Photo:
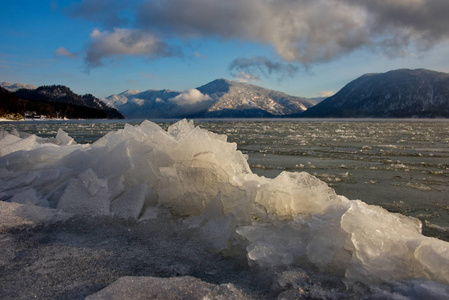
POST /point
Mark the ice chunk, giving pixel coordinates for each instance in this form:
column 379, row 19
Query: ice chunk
column 181, row 129
column 296, row 193
column 433, row 255
column 29, row 196
column 274, row 246
column 8, row 140
column 17, row 179
column 86, row 194
column 167, row 288
column 62, row 138
column 382, row 242
column 149, row 128
column 326, row 250
column 114, row 162
column 11, row 144
column 130, row 203
column 216, row 232
column 188, row 190
column 13, row 215
column 196, row 182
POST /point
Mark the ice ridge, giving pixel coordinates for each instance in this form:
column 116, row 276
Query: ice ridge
column 289, row 223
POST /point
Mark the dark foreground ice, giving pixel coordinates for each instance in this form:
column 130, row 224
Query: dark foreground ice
column 144, row 212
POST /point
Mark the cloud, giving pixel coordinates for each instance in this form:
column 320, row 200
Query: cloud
column 246, row 77
column 121, row 42
column 250, row 67
column 304, row 31
column 327, row 93
column 107, row 12
column 61, row 51
column 190, row 97
column 137, row 101
column 199, row 55
column 424, row 18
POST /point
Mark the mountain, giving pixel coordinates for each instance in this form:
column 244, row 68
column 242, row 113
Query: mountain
column 317, row 100
column 148, row 104
column 56, row 101
column 236, row 99
column 218, row 99
column 400, row 93
column 13, row 87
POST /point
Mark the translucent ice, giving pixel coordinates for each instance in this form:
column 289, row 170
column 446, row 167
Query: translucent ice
column 16, row 215
column 29, row 197
column 87, row 194
column 205, row 185
column 62, row 138
column 167, row 288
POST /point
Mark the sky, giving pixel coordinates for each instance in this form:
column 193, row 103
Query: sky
column 308, row 48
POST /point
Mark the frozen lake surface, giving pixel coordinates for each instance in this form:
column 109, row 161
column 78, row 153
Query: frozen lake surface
column 146, row 212
column 401, row 165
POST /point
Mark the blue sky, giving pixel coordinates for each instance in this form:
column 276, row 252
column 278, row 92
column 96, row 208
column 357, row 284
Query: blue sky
column 301, row 47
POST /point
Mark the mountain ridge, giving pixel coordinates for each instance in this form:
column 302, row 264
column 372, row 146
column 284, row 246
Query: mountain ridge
column 56, row 101
column 220, row 98
column 402, row 93
column 13, row 87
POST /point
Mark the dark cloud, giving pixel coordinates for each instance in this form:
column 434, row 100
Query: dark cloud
column 249, row 68
column 395, row 27
column 305, row 31
column 426, row 18
column 302, row 30
column 226, row 19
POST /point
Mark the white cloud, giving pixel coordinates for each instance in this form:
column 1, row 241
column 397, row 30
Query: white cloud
column 124, row 42
column 246, row 77
column 305, row 31
column 199, row 55
column 190, row 97
column 327, row 93
column 138, row 102
column 61, row 51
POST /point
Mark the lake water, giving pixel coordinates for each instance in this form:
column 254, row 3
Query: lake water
column 401, row 165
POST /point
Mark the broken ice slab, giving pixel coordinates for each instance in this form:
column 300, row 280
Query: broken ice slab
column 167, row 288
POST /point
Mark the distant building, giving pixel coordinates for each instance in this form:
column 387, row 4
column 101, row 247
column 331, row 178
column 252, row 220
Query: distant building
column 31, row 115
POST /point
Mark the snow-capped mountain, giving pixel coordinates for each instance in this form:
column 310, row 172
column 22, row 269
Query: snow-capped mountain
column 400, row 93
column 147, row 104
column 13, row 87
column 237, row 99
column 220, row 99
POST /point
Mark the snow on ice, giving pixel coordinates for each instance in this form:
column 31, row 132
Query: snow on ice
column 288, row 227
